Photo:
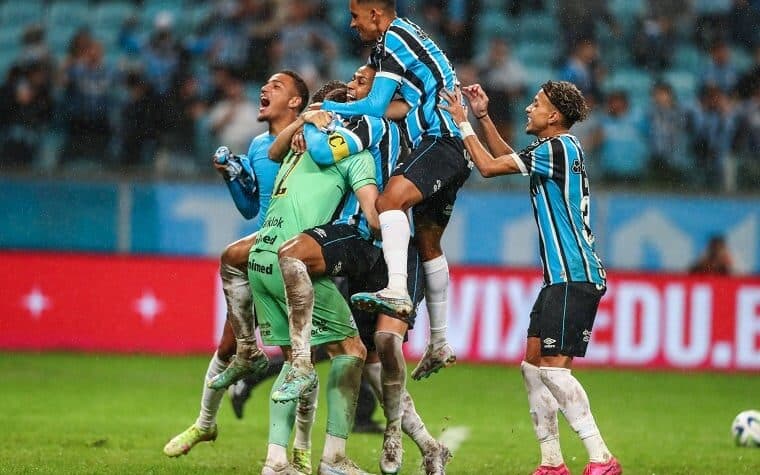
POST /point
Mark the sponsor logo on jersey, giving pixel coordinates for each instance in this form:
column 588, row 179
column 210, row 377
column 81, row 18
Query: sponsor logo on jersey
column 549, row 342
column 268, row 239
column 256, row 267
column 274, row 222
column 338, row 146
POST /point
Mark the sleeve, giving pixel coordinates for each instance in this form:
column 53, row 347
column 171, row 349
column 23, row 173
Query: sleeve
column 547, row 160
column 374, row 104
column 246, row 201
column 359, row 171
column 346, row 140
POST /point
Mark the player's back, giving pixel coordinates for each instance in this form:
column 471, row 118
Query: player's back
column 306, row 195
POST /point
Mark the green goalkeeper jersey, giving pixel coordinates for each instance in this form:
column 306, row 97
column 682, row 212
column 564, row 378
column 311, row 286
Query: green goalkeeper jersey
column 306, row 195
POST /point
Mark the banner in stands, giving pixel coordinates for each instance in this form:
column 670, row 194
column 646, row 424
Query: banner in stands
column 173, row 305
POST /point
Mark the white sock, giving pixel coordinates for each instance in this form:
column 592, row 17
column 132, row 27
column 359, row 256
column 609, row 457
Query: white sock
column 237, row 295
column 543, row 412
column 299, row 294
column 436, row 297
column 573, row 402
column 305, row 414
column 211, row 398
column 412, row 424
column 372, row 372
column 277, row 455
column 335, row 448
column 394, row 227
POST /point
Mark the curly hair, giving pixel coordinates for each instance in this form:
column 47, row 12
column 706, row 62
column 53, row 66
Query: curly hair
column 326, row 89
column 568, row 100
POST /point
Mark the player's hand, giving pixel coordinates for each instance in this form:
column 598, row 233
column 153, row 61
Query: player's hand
column 477, row 99
column 314, row 106
column 321, row 119
column 298, row 142
column 453, row 104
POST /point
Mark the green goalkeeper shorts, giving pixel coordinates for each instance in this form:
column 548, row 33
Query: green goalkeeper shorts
column 332, row 320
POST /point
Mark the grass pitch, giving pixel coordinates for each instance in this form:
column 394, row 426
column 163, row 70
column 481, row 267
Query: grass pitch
column 75, row 413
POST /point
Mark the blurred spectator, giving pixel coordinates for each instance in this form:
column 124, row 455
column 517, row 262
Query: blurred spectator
column 25, row 112
column 720, row 71
column 743, row 21
column 620, row 142
column 712, row 20
column 139, row 122
column 35, row 50
column 654, row 43
column 87, row 103
column 671, row 160
column 519, row 7
column 578, row 20
column 716, row 259
column 263, row 21
column 748, row 140
column 503, row 78
column 233, row 120
column 228, row 39
column 305, row 44
column 181, row 137
column 165, row 60
column 458, row 28
column 749, row 81
column 712, row 127
column 582, row 68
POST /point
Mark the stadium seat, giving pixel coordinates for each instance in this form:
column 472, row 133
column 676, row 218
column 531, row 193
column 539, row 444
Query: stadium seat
column 112, row 14
column 684, row 84
column 494, row 23
column 634, row 81
column 688, row 57
column 18, row 13
column 69, row 14
column 537, row 26
column 535, row 53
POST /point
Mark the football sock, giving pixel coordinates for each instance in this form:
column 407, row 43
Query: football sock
column 412, row 424
column 573, row 402
column 305, row 413
column 342, row 390
column 393, row 376
column 372, row 374
column 211, row 398
column 299, row 294
column 237, row 294
column 394, row 227
column 436, row 297
column 281, row 419
column 543, row 411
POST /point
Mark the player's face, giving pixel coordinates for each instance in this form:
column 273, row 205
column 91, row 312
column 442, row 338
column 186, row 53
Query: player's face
column 363, row 20
column 541, row 113
column 276, row 96
column 361, row 83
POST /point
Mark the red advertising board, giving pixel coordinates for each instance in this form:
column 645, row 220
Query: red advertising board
column 174, row 305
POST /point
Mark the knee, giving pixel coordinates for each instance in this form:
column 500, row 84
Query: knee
column 354, row 347
column 236, row 254
column 227, row 347
column 388, row 346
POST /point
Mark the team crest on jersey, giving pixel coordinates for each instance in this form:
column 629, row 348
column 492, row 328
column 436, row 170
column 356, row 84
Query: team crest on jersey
column 578, row 166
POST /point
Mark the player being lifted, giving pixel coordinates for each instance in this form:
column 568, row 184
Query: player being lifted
column 305, row 196
column 346, row 247
column 574, row 279
column 282, row 98
column 408, row 62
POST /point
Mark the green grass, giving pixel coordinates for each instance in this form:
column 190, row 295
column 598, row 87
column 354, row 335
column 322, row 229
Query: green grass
column 73, row 413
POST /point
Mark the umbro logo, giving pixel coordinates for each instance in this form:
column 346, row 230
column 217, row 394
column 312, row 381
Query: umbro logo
column 549, row 342
column 586, row 335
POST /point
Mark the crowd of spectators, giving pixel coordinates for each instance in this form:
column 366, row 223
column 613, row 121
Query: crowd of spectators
column 159, row 93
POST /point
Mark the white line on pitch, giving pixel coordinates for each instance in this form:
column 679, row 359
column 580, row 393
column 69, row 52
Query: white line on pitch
column 454, row 437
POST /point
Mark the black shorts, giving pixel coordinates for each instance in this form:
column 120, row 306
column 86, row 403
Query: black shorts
column 347, row 254
column 563, row 317
column 438, row 166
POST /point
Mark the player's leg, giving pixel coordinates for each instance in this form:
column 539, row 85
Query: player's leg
column 298, row 258
column 249, row 358
column 204, row 429
column 241, row 391
column 566, row 322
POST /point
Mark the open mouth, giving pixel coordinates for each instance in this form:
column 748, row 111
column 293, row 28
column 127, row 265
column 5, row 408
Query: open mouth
column 350, row 96
column 264, row 102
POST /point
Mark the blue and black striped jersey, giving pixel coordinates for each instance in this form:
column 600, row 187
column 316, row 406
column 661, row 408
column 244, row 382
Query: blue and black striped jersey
column 407, row 55
column 559, row 192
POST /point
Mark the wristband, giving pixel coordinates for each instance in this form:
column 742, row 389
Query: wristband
column 466, row 129
column 482, row 116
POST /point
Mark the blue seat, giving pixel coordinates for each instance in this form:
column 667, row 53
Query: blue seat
column 112, row 14
column 634, row 81
column 688, row 57
column 19, row 13
column 684, row 83
column 68, row 14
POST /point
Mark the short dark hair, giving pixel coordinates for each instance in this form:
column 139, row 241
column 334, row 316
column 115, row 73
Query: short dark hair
column 568, row 100
column 387, row 4
column 301, row 87
column 326, row 89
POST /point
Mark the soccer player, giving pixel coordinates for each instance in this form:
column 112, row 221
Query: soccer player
column 408, row 62
column 305, row 196
column 574, row 278
column 282, row 98
column 346, row 247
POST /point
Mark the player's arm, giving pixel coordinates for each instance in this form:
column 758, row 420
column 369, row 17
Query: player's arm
column 487, row 164
column 246, row 201
column 478, row 100
column 329, row 147
column 375, row 104
column 397, row 110
column 240, row 180
column 360, row 175
column 367, row 195
column 281, row 145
